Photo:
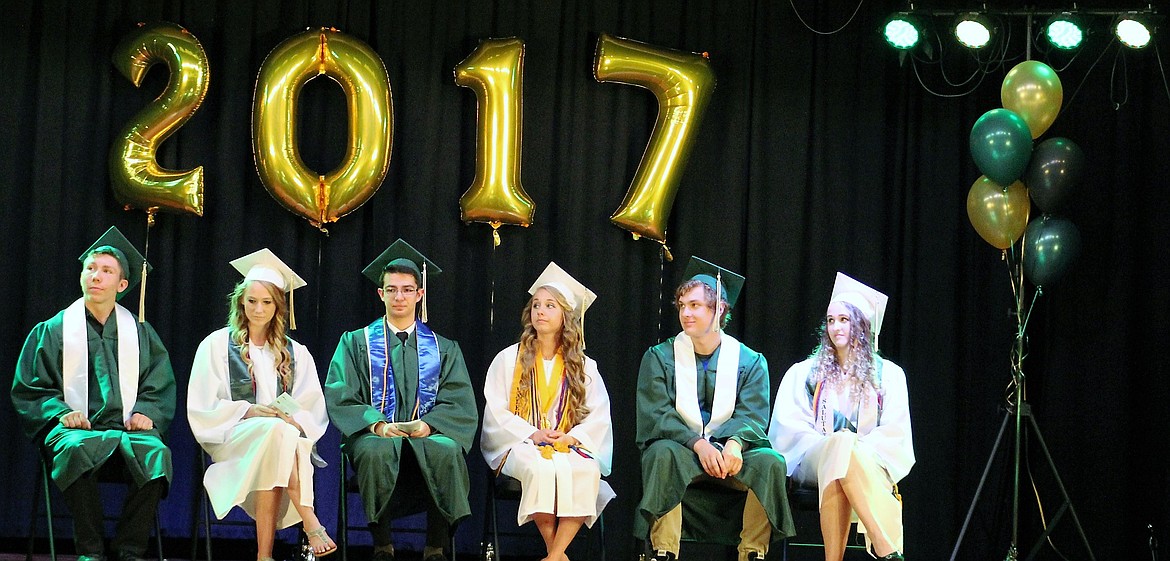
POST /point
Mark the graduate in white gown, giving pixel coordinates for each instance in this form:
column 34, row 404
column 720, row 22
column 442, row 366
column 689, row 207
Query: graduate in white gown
column 546, row 420
column 255, row 404
column 842, row 421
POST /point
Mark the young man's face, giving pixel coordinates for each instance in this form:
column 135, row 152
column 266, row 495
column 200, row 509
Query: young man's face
column 694, row 314
column 101, row 278
column 401, row 295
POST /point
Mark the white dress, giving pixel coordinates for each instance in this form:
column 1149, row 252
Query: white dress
column 568, row 485
column 255, row 454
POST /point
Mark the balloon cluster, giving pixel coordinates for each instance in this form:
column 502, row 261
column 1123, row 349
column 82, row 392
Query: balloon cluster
column 1017, row 174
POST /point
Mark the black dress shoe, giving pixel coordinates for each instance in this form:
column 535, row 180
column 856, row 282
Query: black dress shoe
column 127, row 556
column 662, row 555
column 436, row 557
column 380, row 555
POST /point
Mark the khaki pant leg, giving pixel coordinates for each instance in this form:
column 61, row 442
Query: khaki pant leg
column 666, row 532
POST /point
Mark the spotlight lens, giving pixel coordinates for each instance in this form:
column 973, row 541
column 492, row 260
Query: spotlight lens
column 901, row 34
column 1132, row 33
column 972, row 34
column 1065, row 34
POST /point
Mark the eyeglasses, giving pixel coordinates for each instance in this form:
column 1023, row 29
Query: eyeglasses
column 406, row 291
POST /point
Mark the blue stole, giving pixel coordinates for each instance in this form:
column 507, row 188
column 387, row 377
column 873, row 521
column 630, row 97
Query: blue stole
column 383, row 392
column 243, row 387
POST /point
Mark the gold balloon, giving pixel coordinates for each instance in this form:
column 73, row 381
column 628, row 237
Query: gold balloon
column 135, row 176
column 362, row 76
column 682, row 83
column 1032, row 90
column 998, row 214
column 495, row 72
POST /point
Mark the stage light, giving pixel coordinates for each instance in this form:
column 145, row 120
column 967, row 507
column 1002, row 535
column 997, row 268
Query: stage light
column 973, row 30
column 902, row 31
column 1132, row 30
column 1064, row 31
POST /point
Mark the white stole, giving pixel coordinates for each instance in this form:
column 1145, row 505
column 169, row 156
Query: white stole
column 686, row 387
column 75, row 358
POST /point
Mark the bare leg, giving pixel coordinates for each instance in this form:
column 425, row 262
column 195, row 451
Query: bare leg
column 308, row 515
column 835, row 512
column 567, row 528
column 547, row 524
column 854, row 484
column 266, row 503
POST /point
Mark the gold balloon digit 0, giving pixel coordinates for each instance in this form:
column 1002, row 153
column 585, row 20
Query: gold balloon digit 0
column 495, row 72
column 138, row 181
column 682, row 83
column 322, row 198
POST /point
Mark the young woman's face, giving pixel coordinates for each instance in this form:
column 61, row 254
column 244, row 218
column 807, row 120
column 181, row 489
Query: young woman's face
column 546, row 314
column 837, row 325
column 259, row 306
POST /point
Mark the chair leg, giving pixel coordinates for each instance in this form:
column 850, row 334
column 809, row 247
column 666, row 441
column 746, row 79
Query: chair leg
column 49, row 510
column 43, row 487
column 158, row 537
column 343, row 511
column 601, row 533
column 495, row 519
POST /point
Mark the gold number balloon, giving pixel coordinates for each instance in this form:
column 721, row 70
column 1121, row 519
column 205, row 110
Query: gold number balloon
column 682, row 83
column 362, row 76
column 495, row 72
column 137, row 179
column 999, row 214
column 1033, row 91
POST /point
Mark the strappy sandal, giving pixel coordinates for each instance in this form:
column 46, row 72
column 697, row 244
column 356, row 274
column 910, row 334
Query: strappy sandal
column 323, row 538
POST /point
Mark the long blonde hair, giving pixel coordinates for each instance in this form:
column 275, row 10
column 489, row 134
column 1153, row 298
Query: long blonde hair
column 277, row 331
column 861, row 371
column 571, row 352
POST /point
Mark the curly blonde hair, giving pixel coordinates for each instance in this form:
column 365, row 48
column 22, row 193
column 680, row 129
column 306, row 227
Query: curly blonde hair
column 861, row 371
column 277, row 332
column 572, row 353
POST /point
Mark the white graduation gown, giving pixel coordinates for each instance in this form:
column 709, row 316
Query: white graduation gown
column 818, row 458
column 567, row 485
column 253, row 454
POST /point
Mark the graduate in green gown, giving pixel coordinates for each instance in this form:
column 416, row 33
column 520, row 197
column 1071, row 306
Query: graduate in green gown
column 702, row 413
column 402, row 399
column 94, row 388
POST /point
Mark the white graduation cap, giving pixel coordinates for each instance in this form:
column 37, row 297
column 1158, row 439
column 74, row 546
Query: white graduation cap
column 266, row 266
column 869, row 301
column 576, row 294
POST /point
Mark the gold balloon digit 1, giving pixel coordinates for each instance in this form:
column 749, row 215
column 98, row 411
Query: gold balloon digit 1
column 495, row 72
column 135, row 176
column 682, row 83
column 358, row 69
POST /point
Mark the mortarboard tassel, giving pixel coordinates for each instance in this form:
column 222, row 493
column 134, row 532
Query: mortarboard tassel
column 292, row 313
column 424, row 287
column 142, row 296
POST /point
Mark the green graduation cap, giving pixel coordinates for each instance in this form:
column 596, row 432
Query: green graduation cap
column 128, row 257
column 402, row 254
column 723, row 281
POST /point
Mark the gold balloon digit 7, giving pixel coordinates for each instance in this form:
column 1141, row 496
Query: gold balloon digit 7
column 495, row 72
column 682, row 83
column 362, row 76
column 136, row 178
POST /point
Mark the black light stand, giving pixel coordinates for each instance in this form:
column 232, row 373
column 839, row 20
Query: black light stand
column 1021, row 411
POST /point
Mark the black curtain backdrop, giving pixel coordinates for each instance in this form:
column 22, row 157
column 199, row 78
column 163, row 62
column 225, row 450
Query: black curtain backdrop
column 819, row 153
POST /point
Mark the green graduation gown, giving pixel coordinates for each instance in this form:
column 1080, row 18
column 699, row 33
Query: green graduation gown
column 441, row 457
column 38, row 396
column 669, row 464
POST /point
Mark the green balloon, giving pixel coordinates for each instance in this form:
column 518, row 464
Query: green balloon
column 1001, row 145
